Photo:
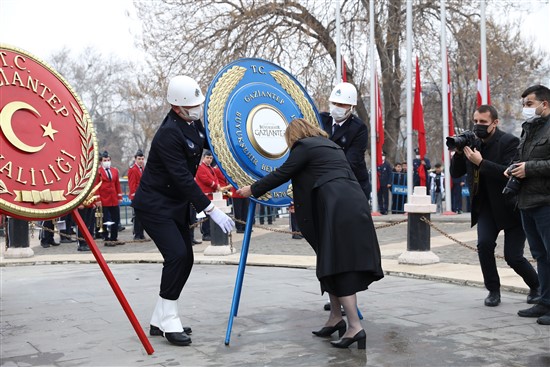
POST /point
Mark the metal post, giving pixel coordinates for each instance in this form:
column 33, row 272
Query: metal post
column 18, row 239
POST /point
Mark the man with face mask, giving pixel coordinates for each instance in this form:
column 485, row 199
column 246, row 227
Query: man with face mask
column 491, row 210
column 533, row 171
column 348, row 131
column 110, row 196
column 162, row 201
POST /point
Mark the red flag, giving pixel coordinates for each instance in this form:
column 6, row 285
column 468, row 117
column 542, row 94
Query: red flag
column 379, row 124
column 479, row 84
column 450, row 100
column 418, row 115
column 344, row 74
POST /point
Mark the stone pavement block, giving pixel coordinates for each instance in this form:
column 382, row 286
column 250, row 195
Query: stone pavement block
column 278, row 309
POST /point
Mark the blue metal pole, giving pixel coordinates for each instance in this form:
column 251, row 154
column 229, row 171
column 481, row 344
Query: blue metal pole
column 240, row 271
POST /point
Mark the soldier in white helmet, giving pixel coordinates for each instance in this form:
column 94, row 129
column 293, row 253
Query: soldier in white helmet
column 348, row 131
column 162, row 201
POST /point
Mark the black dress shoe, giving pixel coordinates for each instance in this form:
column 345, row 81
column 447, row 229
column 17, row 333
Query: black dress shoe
column 181, row 339
column 533, row 297
column 155, row 331
column 329, row 330
column 493, row 299
column 44, row 244
column 297, row 236
column 535, row 311
column 67, row 240
column 206, row 238
column 83, row 248
column 360, row 338
column 54, row 243
column 196, row 242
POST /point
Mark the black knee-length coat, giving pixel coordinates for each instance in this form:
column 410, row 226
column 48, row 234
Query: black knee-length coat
column 332, row 211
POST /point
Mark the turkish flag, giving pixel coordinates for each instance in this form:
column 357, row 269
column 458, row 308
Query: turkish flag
column 450, row 100
column 418, row 114
column 344, row 74
column 479, row 84
column 379, row 124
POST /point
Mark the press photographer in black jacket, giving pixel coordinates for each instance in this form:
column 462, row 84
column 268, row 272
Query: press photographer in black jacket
column 485, row 162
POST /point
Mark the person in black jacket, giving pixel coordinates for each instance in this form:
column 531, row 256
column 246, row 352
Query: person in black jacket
column 334, row 217
column 165, row 193
column 533, row 171
column 348, row 131
column 491, row 211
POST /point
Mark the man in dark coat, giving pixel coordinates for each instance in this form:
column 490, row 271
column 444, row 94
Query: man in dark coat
column 491, row 210
column 348, row 131
column 385, row 181
column 334, row 217
column 162, row 201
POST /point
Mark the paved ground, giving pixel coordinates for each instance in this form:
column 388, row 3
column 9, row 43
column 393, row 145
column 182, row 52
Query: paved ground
column 59, row 310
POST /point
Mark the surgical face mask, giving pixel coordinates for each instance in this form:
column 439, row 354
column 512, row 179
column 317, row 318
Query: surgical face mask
column 530, row 113
column 193, row 114
column 481, row 131
column 106, row 164
column 339, row 113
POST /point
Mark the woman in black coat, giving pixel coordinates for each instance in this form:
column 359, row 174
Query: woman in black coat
column 334, row 216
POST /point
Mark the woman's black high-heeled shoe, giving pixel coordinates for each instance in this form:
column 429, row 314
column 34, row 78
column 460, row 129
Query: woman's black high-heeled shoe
column 360, row 338
column 329, row 330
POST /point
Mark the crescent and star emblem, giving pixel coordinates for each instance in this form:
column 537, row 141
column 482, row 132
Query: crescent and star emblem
column 7, row 128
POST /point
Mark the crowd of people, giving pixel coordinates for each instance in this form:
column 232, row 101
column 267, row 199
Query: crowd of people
column 327, row 167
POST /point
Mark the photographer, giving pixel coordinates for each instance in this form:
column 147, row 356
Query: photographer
column 533, row 172
column 484, row 156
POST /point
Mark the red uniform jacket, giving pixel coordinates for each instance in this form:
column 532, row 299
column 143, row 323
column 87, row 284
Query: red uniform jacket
column 207, row 179
column 109, row 191
column 134, row 176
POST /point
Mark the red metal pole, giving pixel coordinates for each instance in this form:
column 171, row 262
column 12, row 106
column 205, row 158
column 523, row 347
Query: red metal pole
column 112, row 281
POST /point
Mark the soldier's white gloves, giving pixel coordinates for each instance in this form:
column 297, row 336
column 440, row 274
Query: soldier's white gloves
column 226, row 224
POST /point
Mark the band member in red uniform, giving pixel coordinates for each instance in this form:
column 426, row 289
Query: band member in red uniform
column 111, row 197
column 134, row 177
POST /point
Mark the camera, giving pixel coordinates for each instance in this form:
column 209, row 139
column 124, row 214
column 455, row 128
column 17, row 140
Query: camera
column 513, row 184
column 458, row 142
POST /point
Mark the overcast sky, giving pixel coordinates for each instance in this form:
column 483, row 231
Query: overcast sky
column 42, row 27
column 45, row 26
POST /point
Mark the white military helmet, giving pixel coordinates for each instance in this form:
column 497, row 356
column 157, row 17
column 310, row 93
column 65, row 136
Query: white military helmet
column 184, row 91
column 344, row 93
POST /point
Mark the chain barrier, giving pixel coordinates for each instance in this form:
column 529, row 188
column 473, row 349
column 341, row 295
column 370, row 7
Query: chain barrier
column 33, row 226
column 426, row 220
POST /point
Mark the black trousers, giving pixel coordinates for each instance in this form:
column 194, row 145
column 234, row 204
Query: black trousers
column 138, row 227
column 240, row 210
column 88, row 216
column 514, row 244
column 383, row 199
column 46, row 237
column 173, row 239
column 111, row 214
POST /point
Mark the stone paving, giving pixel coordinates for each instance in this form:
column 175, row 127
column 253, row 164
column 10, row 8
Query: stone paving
column 64, row 313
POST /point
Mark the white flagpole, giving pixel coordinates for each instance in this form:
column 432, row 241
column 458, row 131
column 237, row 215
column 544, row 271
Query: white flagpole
column 409, row 102
column 445, row 107
column 338, row 78
column 374, row 171
column 483, row 44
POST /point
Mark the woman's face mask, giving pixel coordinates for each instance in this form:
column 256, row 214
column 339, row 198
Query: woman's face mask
column 106, row 164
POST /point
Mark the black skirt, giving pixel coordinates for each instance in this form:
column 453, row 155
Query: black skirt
column 347, row 284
